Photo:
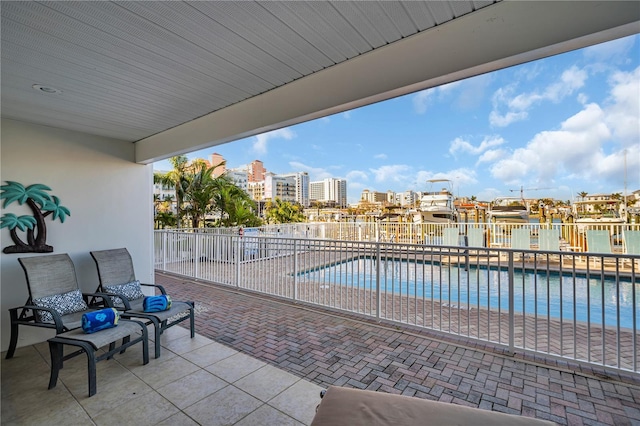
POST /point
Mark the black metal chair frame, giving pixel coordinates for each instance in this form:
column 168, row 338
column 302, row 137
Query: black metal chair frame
column 85, row 345
column 123, row 274
column 26, row 314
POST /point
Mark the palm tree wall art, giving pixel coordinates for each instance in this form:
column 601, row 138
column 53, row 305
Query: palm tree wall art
column 41, row 205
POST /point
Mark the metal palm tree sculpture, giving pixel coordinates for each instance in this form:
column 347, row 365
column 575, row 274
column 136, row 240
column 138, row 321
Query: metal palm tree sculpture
column 41, row 204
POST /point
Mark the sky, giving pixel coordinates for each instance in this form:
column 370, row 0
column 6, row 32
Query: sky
column 553, row 128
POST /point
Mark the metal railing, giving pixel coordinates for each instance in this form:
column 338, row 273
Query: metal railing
column 568, row 305
column 572, row 235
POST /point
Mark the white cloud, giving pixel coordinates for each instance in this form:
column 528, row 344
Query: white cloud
column 421, row 100
column 346, row 115
column 623, row 109
column 588, row 145
column 380, row 156
column 571, row 148
column 618, row 48
column 469, row 93
column 260, row 144
column 315, row 173
column 392, row 173
column 518, row 105
column 582, row 98
column 503, row 120
column 491, row 156
column 356, row 175
column 459, row 177
column 461, row 145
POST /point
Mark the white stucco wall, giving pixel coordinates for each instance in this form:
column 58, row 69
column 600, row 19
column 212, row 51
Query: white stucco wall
column 96, row 178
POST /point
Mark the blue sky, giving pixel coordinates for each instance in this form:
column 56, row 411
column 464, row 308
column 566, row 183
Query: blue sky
column 555, row 127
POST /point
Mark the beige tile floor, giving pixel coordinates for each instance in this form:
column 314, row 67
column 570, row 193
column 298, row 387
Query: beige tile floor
column 195, row 382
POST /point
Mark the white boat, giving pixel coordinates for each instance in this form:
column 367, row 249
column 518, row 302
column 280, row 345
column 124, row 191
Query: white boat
column 595, row 214
column 508, row 210
column 437, row 206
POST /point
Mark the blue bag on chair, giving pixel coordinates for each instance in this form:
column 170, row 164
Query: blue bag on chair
column 156, row 303
column 99, row 320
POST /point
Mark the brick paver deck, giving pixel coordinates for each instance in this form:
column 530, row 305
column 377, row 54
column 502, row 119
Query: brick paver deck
column 331, row 348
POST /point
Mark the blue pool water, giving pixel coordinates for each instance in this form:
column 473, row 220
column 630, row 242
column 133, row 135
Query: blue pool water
column 549, row 295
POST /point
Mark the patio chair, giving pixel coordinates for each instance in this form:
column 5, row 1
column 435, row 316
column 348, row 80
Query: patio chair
column 451, row 237
column 598, row 241
column 631, row 242
column 51, row 277
column 521, row 240
column 475, row 237
column 117, row 278
column 549, row 239
column 55, row 301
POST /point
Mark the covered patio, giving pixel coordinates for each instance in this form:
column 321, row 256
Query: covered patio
column 258, row 360
column 94, row 92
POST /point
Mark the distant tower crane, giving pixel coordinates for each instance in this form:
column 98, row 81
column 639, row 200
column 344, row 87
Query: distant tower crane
column 522, row 189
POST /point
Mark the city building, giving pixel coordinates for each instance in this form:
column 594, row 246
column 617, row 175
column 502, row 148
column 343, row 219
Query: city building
column 330, row 191
column 218, row 162
column 407, row 198
column 301, row 180
column 373, row 197
column 239, row 178
column 279, row 186
column 256, row 171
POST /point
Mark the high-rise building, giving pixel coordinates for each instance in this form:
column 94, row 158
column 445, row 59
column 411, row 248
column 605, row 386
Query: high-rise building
column 279, row 186
column 218, row 162
column 373, row 197
column 330, row 190
column 239, row 178
column 301, row 180
column 256, row 172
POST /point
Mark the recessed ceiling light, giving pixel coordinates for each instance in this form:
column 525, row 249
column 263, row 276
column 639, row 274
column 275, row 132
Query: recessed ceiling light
column 46, row 89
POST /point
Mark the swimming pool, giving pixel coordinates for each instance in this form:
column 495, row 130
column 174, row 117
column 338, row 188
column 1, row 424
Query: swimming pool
column 545, row 294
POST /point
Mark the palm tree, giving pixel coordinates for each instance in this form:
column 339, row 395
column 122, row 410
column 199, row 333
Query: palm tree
column 234, row 205
column 177, row 179
column 583, row 195
column 284, row 212
column 199, row 191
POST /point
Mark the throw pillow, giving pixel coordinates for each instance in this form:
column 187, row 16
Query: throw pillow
column 131, row 291
column 65, row 303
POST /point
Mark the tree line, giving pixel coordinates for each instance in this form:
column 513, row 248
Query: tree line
column 199, row 194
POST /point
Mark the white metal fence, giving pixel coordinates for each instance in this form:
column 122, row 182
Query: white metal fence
column 572, row 236
column 573, row 305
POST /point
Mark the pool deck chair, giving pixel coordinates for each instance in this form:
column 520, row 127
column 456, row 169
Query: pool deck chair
column 475, row 237
column 521, row 240
column 549, row 239
column 50, row 277
column 450, row 237
column 631, row 242
column 116, row 274
column 55, row 301
column 598, row 241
